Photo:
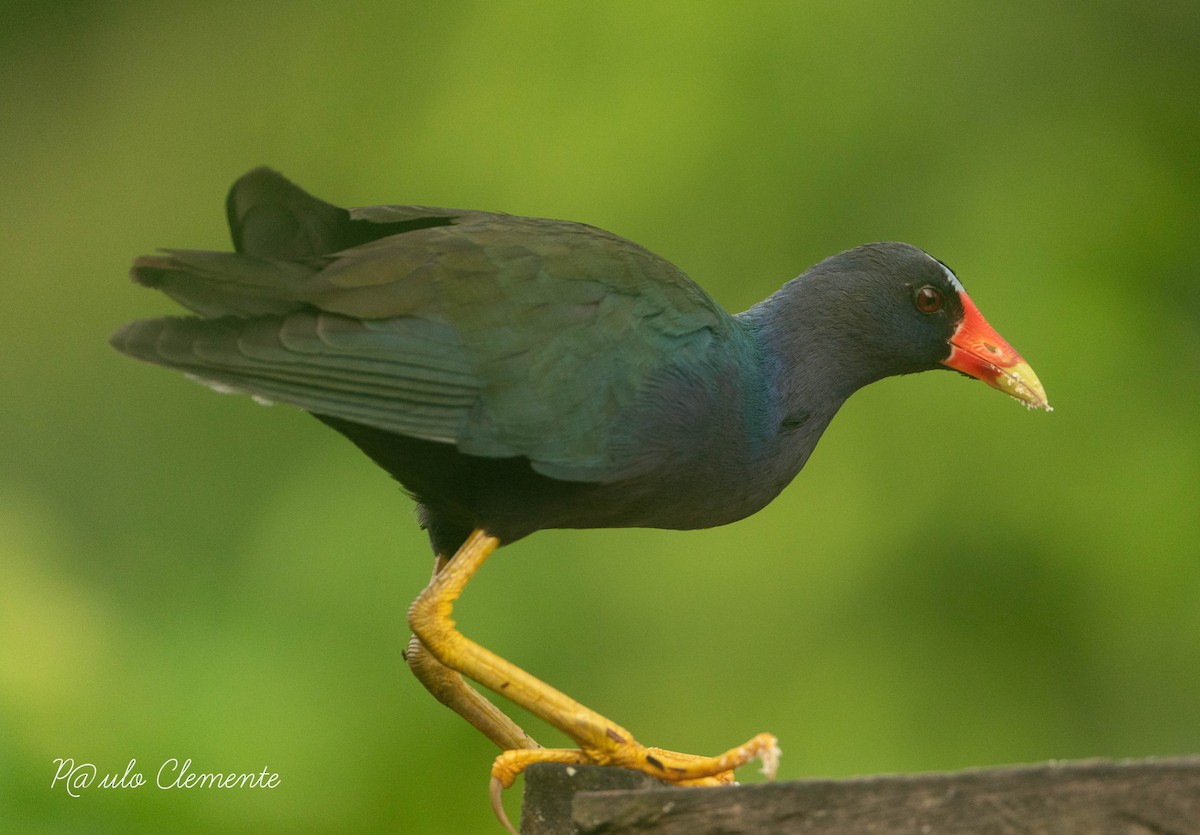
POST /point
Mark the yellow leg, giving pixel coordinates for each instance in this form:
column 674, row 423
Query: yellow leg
column 600, row 741
column 448, row 687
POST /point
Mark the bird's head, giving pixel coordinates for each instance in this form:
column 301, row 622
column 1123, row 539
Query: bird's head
column 908, row 312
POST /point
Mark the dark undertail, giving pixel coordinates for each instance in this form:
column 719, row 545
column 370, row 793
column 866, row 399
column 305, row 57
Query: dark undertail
column 458, row 493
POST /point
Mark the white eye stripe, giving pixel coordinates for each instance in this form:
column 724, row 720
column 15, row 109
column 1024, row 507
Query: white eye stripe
column 951, row 277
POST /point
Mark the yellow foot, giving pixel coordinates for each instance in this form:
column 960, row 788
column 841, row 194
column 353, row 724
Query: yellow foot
column 601, row 742
column 670, row 766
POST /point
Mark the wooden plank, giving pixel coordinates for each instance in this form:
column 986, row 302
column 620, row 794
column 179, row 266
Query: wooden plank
column 1088, row 797
column 551, row 790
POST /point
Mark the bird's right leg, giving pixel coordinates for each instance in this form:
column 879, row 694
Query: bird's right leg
column 449, row 688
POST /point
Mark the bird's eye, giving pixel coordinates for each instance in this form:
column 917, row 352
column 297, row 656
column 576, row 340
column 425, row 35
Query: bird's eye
column 928, row 299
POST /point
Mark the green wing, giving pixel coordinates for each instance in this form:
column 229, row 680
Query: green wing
column 506, row 336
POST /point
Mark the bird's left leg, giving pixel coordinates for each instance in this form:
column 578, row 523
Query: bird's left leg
column 449, row 688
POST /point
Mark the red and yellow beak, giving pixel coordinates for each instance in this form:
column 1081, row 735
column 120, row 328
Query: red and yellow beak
column 977, row 350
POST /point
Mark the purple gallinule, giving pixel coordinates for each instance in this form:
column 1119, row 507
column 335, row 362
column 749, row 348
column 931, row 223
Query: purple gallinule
column 515, row 374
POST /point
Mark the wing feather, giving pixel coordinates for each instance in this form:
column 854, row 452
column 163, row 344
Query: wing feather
column 506, row 336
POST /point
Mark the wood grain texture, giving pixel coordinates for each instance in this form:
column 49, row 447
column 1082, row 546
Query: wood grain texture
column 1088, row 797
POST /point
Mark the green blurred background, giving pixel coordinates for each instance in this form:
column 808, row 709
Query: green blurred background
column 951, row 582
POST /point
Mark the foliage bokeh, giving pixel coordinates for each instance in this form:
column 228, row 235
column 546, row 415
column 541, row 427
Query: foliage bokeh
column 950, row 582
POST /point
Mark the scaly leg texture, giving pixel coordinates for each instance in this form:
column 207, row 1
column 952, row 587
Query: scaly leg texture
column 600, row 741
column 448, row 687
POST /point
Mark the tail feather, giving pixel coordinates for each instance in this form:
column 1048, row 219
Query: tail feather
column 272, row 217
column 271, row 325
column 224, row 283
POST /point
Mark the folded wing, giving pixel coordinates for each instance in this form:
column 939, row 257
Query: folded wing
column 502, row 335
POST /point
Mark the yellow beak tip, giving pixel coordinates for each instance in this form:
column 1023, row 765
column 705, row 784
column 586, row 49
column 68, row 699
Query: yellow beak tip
column 1019, row 382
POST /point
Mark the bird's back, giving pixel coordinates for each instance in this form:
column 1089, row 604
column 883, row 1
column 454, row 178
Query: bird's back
column 501, row 336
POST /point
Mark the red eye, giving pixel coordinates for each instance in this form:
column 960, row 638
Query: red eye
column 928, row 299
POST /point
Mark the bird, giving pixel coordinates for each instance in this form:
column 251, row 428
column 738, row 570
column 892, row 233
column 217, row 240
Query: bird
column 517, row 374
